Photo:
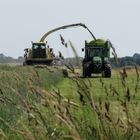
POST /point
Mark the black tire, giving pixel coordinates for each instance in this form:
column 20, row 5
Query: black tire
column 107, row 71
column 24, row 64
column 86, row 72
column 28, row 63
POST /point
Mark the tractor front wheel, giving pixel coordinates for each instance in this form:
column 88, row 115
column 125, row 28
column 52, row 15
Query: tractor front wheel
column 107, row 71
column 86, row 72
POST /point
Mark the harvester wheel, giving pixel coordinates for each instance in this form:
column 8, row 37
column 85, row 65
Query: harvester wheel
column 107, row 71
column 24, row 64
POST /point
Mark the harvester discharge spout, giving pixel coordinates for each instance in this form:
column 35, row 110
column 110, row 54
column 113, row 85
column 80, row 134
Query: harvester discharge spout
column 65, row 27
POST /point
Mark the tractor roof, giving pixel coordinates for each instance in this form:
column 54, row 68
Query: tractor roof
column 97, row 42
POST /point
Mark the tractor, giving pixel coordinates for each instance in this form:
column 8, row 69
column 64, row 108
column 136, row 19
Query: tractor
column 96, row 60
column 38, row 54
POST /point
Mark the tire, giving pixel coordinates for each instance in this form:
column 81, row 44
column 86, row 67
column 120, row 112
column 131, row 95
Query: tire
column 24, row 64
column 107, row 71
column 86, row 72
column 28, row 63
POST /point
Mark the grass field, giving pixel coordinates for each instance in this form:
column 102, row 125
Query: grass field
column 40, row 104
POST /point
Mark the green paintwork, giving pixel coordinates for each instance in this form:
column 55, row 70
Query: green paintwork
column 97, row 42
column 101, row 44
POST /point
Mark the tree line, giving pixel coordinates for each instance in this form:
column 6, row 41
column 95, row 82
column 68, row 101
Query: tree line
column 117, row 62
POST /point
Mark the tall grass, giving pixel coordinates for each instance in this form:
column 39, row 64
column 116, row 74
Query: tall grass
column 35, row 106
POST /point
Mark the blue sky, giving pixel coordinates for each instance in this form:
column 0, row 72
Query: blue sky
column 23, row 21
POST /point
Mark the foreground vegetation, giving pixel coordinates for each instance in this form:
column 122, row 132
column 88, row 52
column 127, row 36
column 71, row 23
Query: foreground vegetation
column 38, row 103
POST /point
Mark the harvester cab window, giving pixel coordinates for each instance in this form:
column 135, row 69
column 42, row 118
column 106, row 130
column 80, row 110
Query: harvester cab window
column 42, row 47
column 38, row 46
column 39, row 51
column 35, row 47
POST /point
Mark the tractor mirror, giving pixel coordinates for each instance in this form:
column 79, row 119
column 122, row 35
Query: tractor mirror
column 51, row 49
column 82, row 49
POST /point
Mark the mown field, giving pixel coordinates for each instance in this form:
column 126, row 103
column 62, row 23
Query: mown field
column 39, row 103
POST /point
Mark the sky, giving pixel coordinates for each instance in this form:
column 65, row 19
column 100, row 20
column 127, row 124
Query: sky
column 23, row 21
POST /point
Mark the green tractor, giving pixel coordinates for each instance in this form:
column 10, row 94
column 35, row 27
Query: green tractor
column 38, row 54
column 96, row 60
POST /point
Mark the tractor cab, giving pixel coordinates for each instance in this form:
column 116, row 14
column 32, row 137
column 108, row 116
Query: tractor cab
column 96, row 60
column 98, row 48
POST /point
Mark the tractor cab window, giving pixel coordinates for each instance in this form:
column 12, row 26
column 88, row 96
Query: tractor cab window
column 95, row 52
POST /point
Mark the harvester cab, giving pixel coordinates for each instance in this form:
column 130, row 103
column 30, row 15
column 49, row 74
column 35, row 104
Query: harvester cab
column 96, row 60
column 38, row 54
